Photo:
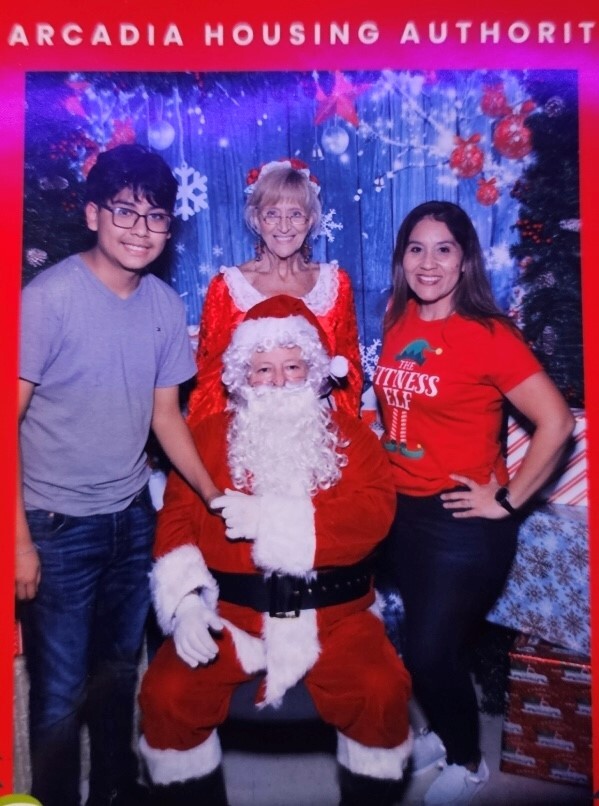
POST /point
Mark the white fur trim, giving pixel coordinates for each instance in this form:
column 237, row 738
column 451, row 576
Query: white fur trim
column 339, row 366
column 376, row 762
column 175, row 575
column 250, row 651
column 270, row 331
column 286, row 540
column 292, row 648
column 378, row 606
column 167, row 766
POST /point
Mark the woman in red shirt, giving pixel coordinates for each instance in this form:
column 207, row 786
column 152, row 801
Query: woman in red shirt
column 449, row 361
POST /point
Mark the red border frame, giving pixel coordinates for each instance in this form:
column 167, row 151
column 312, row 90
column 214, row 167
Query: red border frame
column 388, row 51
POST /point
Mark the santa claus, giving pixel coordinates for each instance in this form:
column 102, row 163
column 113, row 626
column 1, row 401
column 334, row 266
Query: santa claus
column 277, row 583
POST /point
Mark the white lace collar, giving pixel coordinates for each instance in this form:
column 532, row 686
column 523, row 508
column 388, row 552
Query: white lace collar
column 320, row 299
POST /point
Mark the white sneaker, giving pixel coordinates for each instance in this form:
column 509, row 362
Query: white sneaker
column 456, row 785
column 428, row 752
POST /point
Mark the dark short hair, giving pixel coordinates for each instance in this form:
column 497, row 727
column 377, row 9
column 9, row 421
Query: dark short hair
column 131, row 166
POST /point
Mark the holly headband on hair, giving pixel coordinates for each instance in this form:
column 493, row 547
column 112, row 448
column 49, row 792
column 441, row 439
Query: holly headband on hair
column 254, row 174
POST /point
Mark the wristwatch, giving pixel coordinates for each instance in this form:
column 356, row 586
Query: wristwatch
column 502, row 496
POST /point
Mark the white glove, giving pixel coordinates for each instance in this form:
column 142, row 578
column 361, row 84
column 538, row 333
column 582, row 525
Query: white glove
column 191, row 634
column 240, row 512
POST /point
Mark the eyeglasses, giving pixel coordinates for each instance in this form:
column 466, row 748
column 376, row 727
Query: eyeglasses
column 296, row 218
column 125, row 218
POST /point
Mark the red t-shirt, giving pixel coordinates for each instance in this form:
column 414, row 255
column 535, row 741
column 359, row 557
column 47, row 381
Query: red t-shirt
column 441, row 387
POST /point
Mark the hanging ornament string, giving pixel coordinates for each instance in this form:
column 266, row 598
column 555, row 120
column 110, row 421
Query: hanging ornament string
column 316, row 149
column 192, row 194
column 160, row 132
column 177, row 101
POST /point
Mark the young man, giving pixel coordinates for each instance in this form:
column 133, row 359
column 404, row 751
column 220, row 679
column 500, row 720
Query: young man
column 104, row 348
column 282, row 587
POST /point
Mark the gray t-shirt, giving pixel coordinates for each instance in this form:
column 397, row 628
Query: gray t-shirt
column 95, row 359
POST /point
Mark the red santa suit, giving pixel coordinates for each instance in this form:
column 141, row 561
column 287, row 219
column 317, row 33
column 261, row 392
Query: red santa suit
column 353, row 673
column 332, row 637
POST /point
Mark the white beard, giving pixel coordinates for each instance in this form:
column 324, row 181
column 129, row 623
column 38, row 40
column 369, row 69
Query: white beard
column 281, row 441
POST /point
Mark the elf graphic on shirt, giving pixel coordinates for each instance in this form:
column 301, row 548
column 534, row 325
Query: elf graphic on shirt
column 415, row 351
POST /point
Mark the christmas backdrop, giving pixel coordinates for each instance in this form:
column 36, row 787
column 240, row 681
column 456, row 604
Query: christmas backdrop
column 502, row 144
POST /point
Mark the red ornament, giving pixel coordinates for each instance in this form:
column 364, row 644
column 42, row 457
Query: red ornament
column 89, row 163
column 494, row 103
column 487, row 192
column 123, row 133
column 467, row 158
column 73, row 106
column 512, row 137
column 341, row 101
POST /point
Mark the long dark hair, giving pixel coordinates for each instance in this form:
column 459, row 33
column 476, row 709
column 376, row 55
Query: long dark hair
column 473, row 297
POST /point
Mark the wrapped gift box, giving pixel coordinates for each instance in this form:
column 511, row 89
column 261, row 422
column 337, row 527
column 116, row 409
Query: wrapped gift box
column 547, row 726
column 569, row 484
column 547, row 591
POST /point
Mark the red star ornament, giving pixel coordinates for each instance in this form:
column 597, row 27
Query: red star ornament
column 73, row 103
column 123, row 133
column 340, row 102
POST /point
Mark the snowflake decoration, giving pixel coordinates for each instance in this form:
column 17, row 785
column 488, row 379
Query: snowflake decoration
column 539, row 561
column 328, row 226
column 578, row 557
column 563, row 575
column 498, row 257
column 191, row 195
column 573, row 622
column 217, row 251
column 205, row 269
column 179, row 248
column 369, row 355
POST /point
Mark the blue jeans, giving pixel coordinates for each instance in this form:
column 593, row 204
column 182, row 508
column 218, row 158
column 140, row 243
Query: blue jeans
column 83, row 634
column 449, row 572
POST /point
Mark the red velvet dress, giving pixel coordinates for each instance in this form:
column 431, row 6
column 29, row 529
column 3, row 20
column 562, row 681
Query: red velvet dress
column 228, row 299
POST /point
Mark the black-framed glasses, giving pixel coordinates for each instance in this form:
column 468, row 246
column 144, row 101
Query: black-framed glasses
column 126, row 218
column 296, row 218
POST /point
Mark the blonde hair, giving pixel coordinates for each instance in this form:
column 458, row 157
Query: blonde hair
column 283, row 183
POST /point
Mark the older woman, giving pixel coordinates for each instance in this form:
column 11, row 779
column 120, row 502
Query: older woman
column 283, row 209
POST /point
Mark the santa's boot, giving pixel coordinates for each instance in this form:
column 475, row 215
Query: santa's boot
column 358, row 790
column 206, row 791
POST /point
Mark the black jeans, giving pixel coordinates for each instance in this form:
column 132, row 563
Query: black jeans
column 449, row 571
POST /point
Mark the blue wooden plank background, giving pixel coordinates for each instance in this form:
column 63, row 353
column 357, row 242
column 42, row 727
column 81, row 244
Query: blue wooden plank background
column 380, row 142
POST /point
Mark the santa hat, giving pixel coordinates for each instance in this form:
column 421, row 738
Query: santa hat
column 284, row 321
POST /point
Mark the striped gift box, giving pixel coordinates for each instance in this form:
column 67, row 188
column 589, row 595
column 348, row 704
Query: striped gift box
column 569, row 486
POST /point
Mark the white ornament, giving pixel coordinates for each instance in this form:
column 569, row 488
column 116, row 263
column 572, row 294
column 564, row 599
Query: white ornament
column 335, row 140
column 161, row 135
column 191, row 195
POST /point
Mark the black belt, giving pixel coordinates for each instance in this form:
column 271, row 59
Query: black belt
column 284, row 595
